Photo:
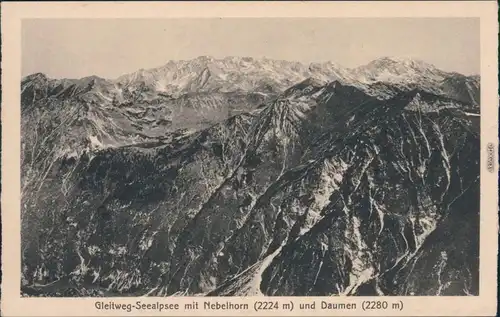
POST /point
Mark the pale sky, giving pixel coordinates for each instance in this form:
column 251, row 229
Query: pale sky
column 64, row 48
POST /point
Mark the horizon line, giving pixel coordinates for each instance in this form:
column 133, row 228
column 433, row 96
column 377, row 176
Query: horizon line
column 211, row 57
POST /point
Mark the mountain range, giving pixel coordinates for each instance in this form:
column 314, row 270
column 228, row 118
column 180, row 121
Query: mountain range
column 244, row 176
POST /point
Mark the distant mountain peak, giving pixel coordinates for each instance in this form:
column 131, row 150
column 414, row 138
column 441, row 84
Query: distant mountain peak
column 313, row 81
column 264, row 75
column 36, row 76
column 391, row 62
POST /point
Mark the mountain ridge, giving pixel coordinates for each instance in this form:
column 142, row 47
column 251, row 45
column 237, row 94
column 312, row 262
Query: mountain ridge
column 394, row 59
column 266, row 76
column 326, row 189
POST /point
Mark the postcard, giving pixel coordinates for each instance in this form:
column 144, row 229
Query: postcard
column 251, row 158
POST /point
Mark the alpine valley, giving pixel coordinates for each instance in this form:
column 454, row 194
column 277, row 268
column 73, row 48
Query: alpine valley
column 248, row 177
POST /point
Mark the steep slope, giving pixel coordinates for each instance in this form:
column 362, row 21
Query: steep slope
column 197, row 93
column 408, row 74
column 326, row 190
column 405, row 177
column 463, row 88
column 367, row 215
column 207, row 74
column 107, row 114
column 62, row 119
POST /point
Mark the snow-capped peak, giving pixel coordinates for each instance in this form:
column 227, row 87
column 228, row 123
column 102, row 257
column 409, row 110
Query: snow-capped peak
column 398, row 70
column 205, row 74
column 404, row 61
column 397, row 65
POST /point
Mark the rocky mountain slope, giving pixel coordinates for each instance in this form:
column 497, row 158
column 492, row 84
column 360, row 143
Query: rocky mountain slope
column 325, row 181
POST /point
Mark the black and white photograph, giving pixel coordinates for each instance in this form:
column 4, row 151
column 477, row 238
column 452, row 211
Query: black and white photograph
column 223, row 157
